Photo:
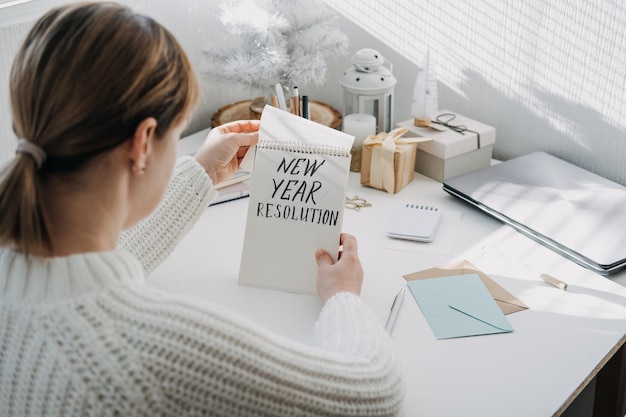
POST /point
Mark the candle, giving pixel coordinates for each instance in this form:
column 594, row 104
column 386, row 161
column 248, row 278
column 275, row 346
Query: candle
column 360, row 126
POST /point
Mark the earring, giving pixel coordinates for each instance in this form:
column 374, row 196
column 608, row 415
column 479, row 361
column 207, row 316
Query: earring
column 133, row 167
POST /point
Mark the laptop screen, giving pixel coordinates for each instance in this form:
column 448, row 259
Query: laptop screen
column 573, row 211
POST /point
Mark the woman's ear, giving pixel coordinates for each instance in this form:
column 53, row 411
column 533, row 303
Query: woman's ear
column 141, row 144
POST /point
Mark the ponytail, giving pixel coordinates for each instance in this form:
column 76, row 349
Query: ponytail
column 23, row 222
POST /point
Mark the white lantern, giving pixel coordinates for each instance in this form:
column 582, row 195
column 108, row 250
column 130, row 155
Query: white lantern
column 368, row 88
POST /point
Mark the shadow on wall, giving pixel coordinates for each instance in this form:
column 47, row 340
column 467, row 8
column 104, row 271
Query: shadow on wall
column 535, row 120
column 571, row 131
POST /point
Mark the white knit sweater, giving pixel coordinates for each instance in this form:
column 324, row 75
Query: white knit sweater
column 86, row 335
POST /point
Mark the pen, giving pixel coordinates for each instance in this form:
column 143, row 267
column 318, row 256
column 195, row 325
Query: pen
column 305, row 107
column 553, row 281
column 395, row 308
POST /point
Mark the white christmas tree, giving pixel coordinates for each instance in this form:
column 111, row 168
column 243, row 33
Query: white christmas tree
column 274, row 41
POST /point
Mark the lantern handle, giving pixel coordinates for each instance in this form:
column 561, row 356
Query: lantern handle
column 363, row 63
column 364, row 69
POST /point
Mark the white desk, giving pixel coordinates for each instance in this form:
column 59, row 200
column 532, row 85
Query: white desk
column 558, row 346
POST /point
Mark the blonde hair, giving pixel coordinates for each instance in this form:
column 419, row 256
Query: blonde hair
column 85, row 77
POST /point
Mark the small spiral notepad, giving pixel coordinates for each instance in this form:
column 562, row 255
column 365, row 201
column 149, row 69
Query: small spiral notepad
column 415, row 222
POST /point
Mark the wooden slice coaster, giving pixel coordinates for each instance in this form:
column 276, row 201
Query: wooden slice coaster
column 320, row 112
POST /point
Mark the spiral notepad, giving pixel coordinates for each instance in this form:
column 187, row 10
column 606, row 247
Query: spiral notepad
column 296, row 201
column 415, row 222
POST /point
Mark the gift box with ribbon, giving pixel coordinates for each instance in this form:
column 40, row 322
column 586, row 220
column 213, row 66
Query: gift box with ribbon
column 459, row 145
column 388, row 160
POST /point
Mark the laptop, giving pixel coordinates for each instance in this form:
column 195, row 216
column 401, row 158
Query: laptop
column 574, row 212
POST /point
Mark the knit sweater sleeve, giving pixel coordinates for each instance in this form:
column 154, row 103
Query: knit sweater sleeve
column 213, row 362
column 189, row 192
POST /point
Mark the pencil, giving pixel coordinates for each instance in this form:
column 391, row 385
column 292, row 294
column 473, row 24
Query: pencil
column 296, row 97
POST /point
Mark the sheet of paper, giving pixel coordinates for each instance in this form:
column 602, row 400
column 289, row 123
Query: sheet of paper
column 296, row 201
column 458, row 306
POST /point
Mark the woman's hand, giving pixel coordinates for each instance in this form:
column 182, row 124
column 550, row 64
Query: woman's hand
column 225, row 146
column 344, row 275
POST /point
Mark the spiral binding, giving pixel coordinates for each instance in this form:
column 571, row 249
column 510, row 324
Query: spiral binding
column 421, row 207
column 306, row 148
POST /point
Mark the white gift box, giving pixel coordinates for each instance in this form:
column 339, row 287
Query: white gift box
column 460, row 145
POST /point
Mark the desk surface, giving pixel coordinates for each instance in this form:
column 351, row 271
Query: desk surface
column 558, row 345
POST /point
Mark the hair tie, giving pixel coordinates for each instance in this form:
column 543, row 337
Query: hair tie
column 33, row 150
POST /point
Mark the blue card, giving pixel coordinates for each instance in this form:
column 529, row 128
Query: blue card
column 458, row 306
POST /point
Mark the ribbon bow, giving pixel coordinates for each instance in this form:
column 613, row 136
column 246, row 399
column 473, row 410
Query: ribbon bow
column 444, row 119
column 382, row 165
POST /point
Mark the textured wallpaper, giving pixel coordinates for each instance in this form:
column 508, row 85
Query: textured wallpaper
column 548, row 75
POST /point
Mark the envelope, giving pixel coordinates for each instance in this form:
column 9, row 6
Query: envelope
column 505, row 300
column 458, row 306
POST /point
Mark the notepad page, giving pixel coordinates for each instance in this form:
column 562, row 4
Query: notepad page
column 296, row 201
column 415, row 222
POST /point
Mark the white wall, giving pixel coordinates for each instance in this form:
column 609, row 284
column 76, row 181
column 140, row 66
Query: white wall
column 548, row 75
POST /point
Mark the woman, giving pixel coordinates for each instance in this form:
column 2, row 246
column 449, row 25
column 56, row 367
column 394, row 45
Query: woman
column 100, row 96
